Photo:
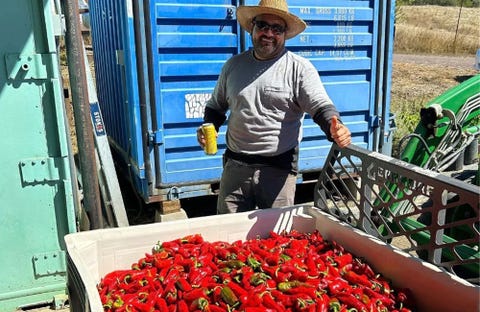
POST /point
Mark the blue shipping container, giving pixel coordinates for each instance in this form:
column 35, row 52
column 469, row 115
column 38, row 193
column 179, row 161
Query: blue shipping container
column 157, row 63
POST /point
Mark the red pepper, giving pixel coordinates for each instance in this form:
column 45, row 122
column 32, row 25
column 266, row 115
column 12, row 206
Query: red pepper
column 376, row 296
column 404, row 297
column 357, row 279
column 273, row 259
column 331, row 270
column 197, row 275
column 194, row 294
column 216, row 294
column 172, row 308
column 171, row 245
column 351, row 301
column 311, row 266
column 172, row 276
column 161, row 263
column 286, row 272
column 338, row 285
column 112, row 278
column 182, row 306
column 381, row 285
column 334, row 305
column 361, row 267
column 255, row 309
column 263, row 254
column 305, row 303
column 253, row 299
column 193, row 239
column 200, row 303
column 321, row 303
column 215, row 308
column 343, row 260
column 269, row 302
column 284, row 299
column 159, row 253
column 241, row 293
column 170, row 293
column 303, row 290
column 183, row 285
column 161, row 304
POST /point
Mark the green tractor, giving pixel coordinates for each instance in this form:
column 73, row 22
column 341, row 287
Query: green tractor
column 446, row 141
column 448, row 131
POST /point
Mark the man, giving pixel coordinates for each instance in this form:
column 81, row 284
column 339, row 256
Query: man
column 267, row 91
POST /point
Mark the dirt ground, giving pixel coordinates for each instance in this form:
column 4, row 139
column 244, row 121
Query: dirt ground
column 427, row 76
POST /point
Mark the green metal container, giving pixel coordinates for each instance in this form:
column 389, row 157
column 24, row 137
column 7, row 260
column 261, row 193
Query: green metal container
column 37, row 196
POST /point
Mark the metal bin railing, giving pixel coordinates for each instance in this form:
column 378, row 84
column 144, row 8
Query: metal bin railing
column 427, row 214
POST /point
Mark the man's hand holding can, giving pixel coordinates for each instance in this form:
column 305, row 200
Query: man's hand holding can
column 207, row 138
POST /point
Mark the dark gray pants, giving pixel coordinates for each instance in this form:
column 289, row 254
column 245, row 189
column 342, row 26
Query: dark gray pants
column 246, row 187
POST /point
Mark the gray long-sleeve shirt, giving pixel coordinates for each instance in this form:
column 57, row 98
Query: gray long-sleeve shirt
column 267, row 101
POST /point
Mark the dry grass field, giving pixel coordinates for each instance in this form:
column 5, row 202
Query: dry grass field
column 437, row 30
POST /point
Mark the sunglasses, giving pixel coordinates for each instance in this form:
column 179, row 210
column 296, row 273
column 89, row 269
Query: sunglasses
column 264, row 26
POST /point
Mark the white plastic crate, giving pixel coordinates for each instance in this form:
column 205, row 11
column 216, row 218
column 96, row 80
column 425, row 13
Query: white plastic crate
column 94, row 253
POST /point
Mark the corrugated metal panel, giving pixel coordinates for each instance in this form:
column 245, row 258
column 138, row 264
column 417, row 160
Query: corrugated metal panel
column 186, row 45
column 116, row 76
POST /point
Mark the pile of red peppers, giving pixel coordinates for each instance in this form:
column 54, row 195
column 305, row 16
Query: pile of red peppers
column 285, row 272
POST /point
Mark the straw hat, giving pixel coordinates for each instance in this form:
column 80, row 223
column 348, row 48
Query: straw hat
column 245, row 15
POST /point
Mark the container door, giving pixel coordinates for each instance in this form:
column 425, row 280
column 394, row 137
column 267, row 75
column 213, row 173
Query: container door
column 189, row 44
column 36, row 194
column 345, row 41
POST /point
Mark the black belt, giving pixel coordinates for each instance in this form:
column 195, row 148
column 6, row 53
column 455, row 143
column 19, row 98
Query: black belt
column 286, row 160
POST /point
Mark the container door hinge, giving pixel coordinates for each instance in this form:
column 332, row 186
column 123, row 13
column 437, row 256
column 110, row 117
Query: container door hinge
column 26, row 67
column 40, row 170
column 374, row 121
column 155, row 137
column 49, row 263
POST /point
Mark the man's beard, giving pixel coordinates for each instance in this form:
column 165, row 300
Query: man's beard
column 264, row 49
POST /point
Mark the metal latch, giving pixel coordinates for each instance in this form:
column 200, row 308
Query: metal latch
column 374, row 121
column 156, row 137
column 38, row 170
column 31, row 66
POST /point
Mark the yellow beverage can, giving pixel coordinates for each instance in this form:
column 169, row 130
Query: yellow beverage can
column 210, row 134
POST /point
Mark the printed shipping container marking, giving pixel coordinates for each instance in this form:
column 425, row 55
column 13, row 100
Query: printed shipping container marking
column 337, row 14
column 195, row 104
column 97, row 119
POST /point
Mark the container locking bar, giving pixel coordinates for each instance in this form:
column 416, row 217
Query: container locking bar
column 156, row 137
